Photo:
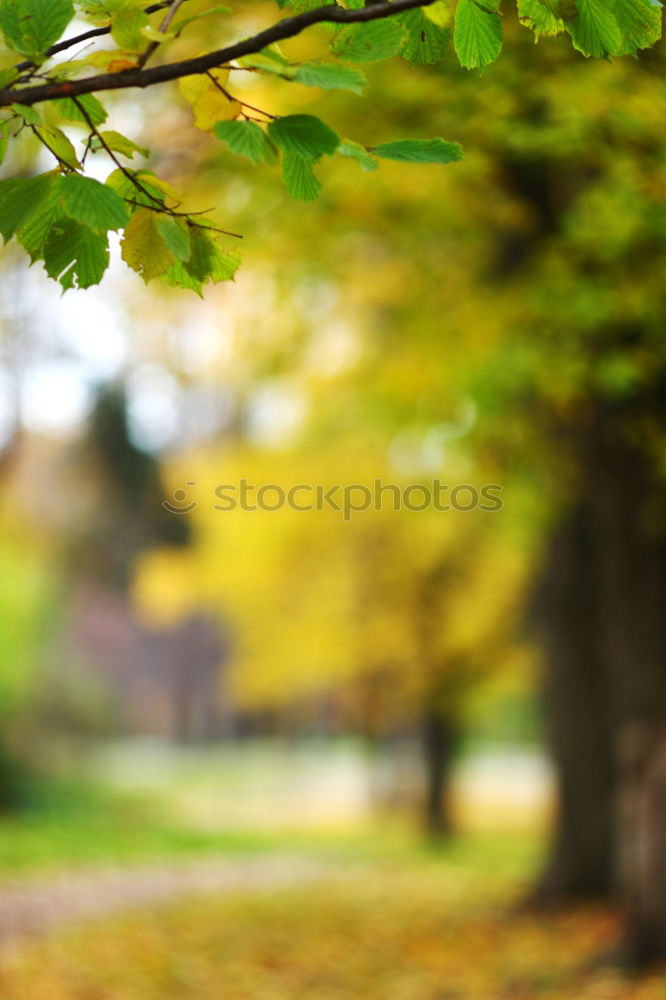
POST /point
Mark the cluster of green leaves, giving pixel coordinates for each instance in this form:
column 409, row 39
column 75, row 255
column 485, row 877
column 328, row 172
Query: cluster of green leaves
column 63, row 218
column 301, row 140
column 598, row 28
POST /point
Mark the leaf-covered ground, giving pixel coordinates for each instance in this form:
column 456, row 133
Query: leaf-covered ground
column 380, row 932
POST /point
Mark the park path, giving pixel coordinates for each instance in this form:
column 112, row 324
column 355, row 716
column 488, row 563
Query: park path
column 34, row 907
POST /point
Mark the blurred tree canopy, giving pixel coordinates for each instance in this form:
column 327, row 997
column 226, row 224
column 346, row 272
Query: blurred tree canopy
column 527, row 281
column 27, row 601
column 393, row 613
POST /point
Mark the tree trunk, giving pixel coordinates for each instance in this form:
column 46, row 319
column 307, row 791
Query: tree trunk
column 631, row 517
column 581, row 857
column 603, row 620
column 643, row 826
column 439, row 736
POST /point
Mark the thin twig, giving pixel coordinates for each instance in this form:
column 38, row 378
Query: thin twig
column 184, row 215
column 159, row 206
column 110, row 153
column 216, row 229
column 166, row 21
column 236, row 100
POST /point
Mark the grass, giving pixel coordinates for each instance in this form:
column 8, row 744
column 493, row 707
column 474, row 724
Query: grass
column 75, row 826
column 144, row 803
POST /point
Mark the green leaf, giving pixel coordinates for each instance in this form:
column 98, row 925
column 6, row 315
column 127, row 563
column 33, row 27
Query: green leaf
column 247, row 139
column 268, row 60
column 359, row 153
column 95, row 205
column 420, row 151
column 34, row 232
column 426, row 41
column 303, row 134
column 299, row 6
column 207, row 261
column 178, row 277
column 71, row 111
column 7, row 76
column 73, row 251
column 639, row 22
column 4, row 138
column 127, row 26
column 118, row 143
column 272, row 54
column 565, row 10
column 219, row 9
column 30, row 115
column 99, row 11
column 143, row 247
column 176, row 235
column 330, row 76
column 477, row 35
column 370, row 42
column 299, row 178
column 120, row 182
column 59, row 145
column 163, row 187
column 31, row 26
column 19, row 198
column 536, row 14
column 594, row 30
column 155, row 35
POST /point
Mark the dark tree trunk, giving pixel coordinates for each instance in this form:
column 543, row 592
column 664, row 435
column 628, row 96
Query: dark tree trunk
column 581, row 857
column 439, row 744
column 643, row 839
column 631, row 518
column 603, row 615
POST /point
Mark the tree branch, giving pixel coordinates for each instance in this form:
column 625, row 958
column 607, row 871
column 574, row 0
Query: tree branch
column 289, row 27
column 67, row 43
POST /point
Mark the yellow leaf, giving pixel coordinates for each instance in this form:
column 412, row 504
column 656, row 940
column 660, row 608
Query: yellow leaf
column 105, row 58
column 118, row 65
column 150, row 178
column 439, row 13
column 209, row 103
column 142, row 247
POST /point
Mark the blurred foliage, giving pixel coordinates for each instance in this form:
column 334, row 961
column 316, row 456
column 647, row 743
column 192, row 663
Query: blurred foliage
column 473, row 323
column 462, row 323
column 318, row 601
column 26, row 597
column 27, row 607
